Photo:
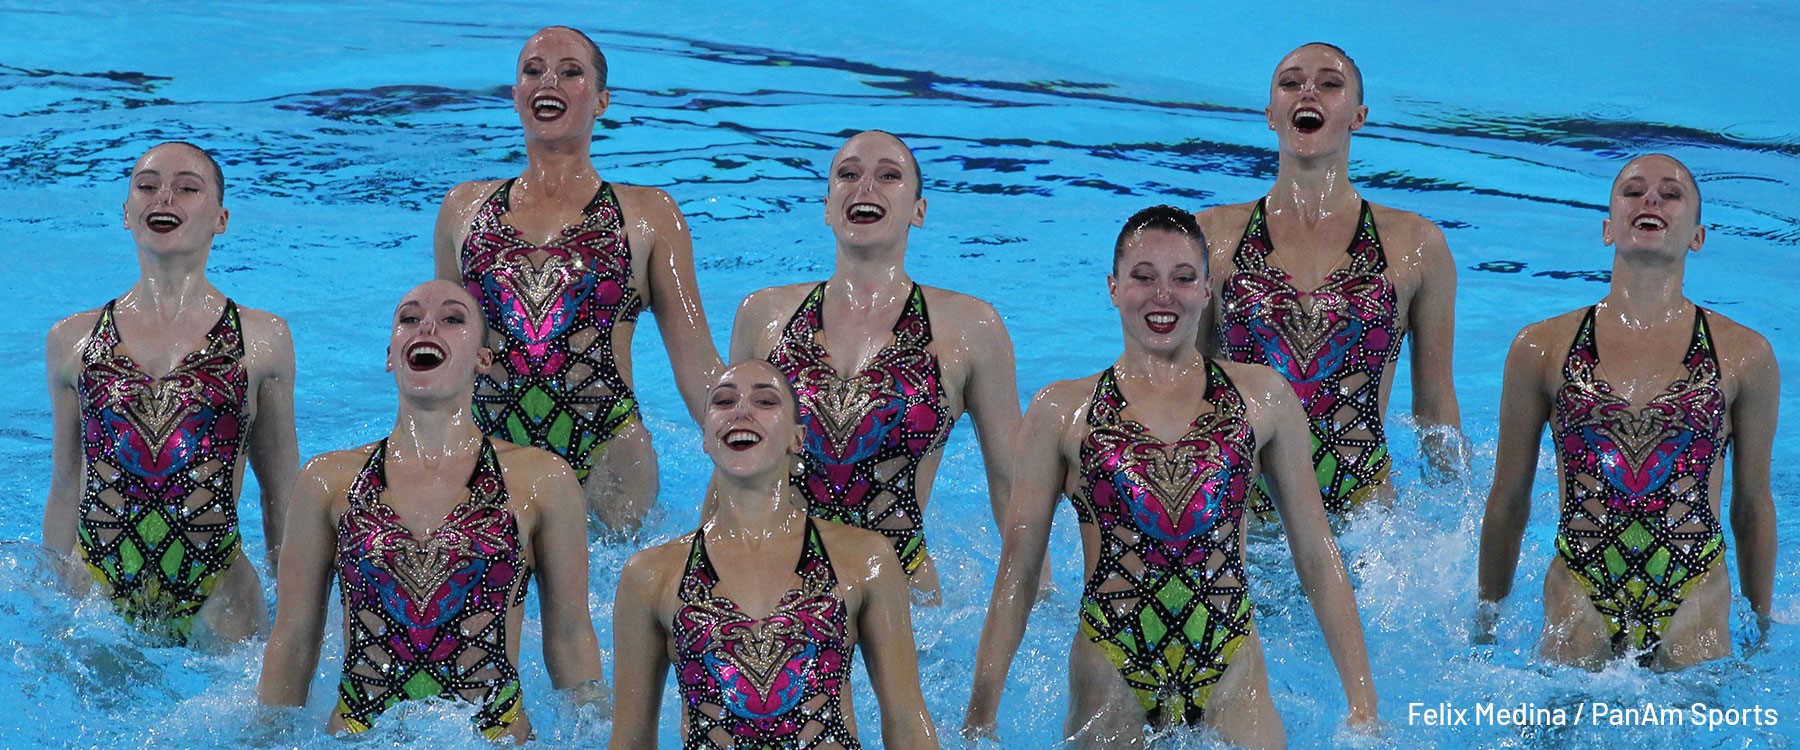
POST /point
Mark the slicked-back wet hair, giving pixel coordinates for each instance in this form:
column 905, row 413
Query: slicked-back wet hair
column 599, row 60
column 1164, row 218
column 1355, row 70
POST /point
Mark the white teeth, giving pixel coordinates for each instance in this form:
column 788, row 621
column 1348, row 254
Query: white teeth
column 1307, row 118
column 545, row 102
column 162, row 220
column 1161, row 319
column 742, row 437
column 425, row 355
column 865, row 211
column 1650, row 222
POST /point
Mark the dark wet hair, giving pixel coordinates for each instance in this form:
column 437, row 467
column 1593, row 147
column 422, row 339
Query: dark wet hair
column 599, row 57
column 1163, row 218
column 217, row 173
column 918, row 176
column 1355, row 70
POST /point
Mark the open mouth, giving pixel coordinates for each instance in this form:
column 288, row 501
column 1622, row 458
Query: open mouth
column 1308, row 120
column 864, row 213
column 739, row 440
column 162, row 222
column 1161, row 322
column 1649, row 223
column 545, row 107
column 424, row 356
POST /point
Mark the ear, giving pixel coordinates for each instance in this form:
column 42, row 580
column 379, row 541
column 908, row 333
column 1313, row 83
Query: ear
column 1362, row 116
column 797, row 446
column 1269, row 114
column 1606, row 237
column 1699, row 239
column 918, row 217
column 125, row 214
column 389, row 357
column 224, row 219
column 1112, row 289
column 605, row 101
column 484, row 357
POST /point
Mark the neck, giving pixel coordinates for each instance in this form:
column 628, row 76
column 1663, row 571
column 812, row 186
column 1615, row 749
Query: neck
column 870, row 281
column 753, row 508
column 554, row 167
column 434, row 434
column 1314, row 188
column 1646, row 294
column 1177, row 366
column 167, row 285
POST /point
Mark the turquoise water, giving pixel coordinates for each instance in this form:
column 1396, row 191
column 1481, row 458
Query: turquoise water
column 1039, row 129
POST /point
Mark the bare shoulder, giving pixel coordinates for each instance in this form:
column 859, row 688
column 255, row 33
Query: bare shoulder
column 655, row 568
column 1407, row 232
column 1738, row 344
column 1063, row 399
column 262, row 326
column 1551, row 331
column 69, row 332
column 335, row 470
column 857, row 555
column 650, row 203
column 769, row 303
column 1228, row 218
column 1253, row 379
column 463, row 197
column 955, row 311
column 529, row 463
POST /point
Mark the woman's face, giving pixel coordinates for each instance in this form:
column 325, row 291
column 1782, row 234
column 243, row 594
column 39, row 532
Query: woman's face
column 556, row 91
column 750, row 426
column 1160, row 289
column 173, row 203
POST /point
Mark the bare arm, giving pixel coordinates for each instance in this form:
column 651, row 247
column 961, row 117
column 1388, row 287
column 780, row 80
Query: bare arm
column 571, row 651
column 1039, row 470
column 641, row 647
column 304, row 582
column 992, row 398
column 675, row 300
column 1432, row 318
column 61, row 363
column 1287, row 462
column 453, row 227
column 274, row 448
column 1753, row 416
column 1524, row 408
column 885, row 628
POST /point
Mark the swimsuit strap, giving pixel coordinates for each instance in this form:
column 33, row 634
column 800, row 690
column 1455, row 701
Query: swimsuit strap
column 1367, row 256
column 486, row 483
column 911, row 329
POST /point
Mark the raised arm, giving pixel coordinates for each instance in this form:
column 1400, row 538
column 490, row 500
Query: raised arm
column 304, row 583
column 1039, row 469
column 675, row 300
column 884, row 626
column 1432, row 318
column 571, row 651
column 992, row 398
column 1524, row 408
column 1753, row 418
column 62, row 361
column 1286, row 458
column 641, row 647
column 274, row 449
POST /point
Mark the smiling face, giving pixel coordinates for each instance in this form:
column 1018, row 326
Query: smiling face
column 1159, row 286
column 1315, row 100
column 1655, row 205
column 874, row 191
column 174, row 203
column 436, row 346
column 752, row 424
column 559, row 91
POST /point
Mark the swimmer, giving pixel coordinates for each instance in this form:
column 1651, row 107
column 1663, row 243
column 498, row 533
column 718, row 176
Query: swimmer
column 781, row 679
column 1643, row 392
column 1310, row 287
column 562, row 262
column 434, row 534
column 883, row 365
column 156, row 398
column 1157, row 454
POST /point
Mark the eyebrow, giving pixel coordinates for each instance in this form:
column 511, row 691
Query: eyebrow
column 184, row 172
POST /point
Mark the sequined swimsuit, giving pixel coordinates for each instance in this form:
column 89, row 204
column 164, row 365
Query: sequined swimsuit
column 866, row 434
column 427, row 617
column 1333, row 345
column 772, row 682
column 1166, row 601
column 159, row 524
column 1637, row 528
column 555, row 383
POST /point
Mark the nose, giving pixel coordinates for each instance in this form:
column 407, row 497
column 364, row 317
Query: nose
column 1164, row 292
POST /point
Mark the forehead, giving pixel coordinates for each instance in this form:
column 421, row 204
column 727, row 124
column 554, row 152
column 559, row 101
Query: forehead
column 554, row 43
column 1161, row 246
column 869, row 147
column 172, row 158
column 1655, row 168
column 751, row 374
column 1313, row 57
column 437, row 293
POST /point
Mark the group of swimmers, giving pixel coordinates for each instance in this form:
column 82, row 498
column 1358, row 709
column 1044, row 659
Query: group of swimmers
column 1257, row 363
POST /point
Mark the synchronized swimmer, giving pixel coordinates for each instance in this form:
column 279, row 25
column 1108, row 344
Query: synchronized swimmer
column 1260, row 346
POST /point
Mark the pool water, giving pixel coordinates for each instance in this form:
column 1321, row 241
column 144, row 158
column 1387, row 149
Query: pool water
column 1039, row 129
